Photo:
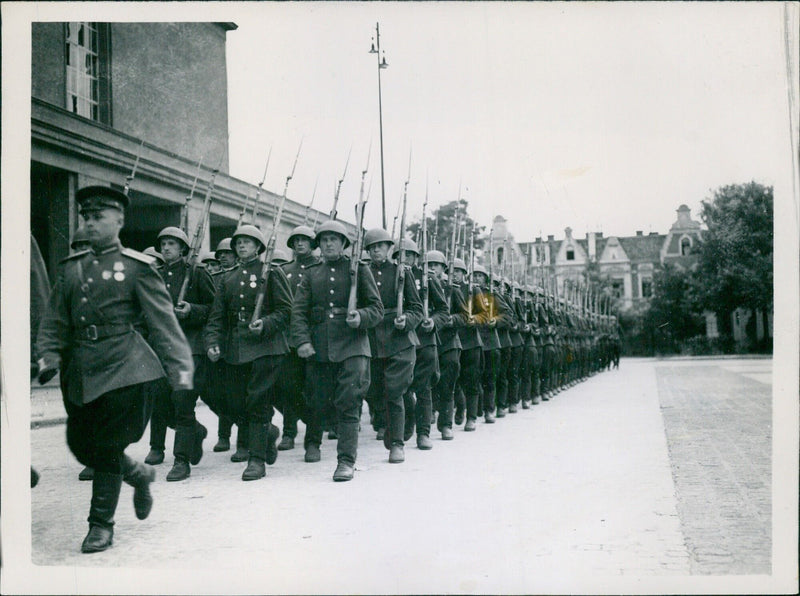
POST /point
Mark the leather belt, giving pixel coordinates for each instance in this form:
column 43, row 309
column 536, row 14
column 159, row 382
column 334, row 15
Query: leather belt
column 97, row 332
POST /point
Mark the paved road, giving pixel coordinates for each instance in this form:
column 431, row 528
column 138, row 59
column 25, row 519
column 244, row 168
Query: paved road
column 660, row 470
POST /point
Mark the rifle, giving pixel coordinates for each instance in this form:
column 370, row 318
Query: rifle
column 436, row 229
column 258, row 192
column 334, row 213
column 470, row 285
column 185, row 217
column 308, row 207
column 424, row 284
column 491, row 261
column 199, row 233
column 401, row 261
column 452, row 252
column 266, row 268
column 352, row 302
column 132, row 175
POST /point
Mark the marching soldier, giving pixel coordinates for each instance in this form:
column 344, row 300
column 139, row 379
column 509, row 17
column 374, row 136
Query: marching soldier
column 216, row 373
column 449, row 344
column 291, row 384
column 469, row 377
column 108, row 371
column 493, row 312
column 192, row 311
column 505, row 325
column 393, row 341
column 418, row 399
column 253, row 350
column 515, row 331
column 211, row 263
column 333, row 340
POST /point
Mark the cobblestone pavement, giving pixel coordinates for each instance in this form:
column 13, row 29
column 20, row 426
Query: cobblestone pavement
column 577, row 494
column 718, row 421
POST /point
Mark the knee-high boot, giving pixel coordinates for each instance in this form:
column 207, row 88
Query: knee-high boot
column 105, row 495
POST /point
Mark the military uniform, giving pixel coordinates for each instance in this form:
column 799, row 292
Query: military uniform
column 339, row 369
column 253, row 360
column 189, row 433
column 517, row 351
column 493, row 309
column 450, row 348
column 418, row 400
column 471, row 362
column 291, row 388
column 108, row 371
column 393, row 350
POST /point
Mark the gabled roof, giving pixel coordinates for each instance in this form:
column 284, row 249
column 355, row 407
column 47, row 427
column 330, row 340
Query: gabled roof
column 643, row 248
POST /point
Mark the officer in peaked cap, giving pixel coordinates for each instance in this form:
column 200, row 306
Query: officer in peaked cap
column 291, row 384
column 108, row 371
column 393, row 341
column 253, row 345
column 332, row 338
column 192, row 306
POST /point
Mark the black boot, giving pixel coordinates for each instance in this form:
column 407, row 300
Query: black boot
column 139, row 476
column 105, row 495
column 272, row 438
column 200, row 433
column 242, row 452
column 86, row 474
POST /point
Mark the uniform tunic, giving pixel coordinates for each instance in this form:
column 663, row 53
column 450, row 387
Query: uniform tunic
column 109, row 373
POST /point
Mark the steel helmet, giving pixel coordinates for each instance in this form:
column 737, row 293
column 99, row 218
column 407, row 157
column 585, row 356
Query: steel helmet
column 152, row 252
column 279, row 257
column 80, row 237
column 459, row 264
column 335, row 227
column 406, row 245
column 436, row 256
column 302, row 232
column 515, row 285
column 480, row 269
column 376, row 235
column 173, row 232
column 224, row 244
column 208, row 256
column 250, row 232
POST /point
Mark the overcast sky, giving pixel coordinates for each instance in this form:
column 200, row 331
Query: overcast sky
column 600, row 116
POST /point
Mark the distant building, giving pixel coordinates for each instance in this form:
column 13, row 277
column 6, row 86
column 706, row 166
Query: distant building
column 99, row 92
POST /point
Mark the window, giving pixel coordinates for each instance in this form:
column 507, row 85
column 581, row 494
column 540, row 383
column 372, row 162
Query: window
column 570, row 253
column 617, row 287
column 86, row 58
column 647, row 287
column 82, row 70
column 686, row 246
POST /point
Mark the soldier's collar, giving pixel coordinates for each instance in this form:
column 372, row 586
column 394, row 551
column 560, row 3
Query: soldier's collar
column 249, row 261
column 106, row 249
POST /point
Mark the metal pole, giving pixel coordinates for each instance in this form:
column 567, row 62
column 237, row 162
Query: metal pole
column 376, row 49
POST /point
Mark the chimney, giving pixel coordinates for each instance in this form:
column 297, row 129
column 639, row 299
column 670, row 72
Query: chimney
column 550, row 238
column 639, row 233
column 653, row 233
column 592, row 243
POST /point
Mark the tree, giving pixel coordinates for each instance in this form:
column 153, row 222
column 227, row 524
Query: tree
column 445, row 216
column 674, row 311
column 735, row 265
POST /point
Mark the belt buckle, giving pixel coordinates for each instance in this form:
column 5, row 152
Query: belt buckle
column 91, row 332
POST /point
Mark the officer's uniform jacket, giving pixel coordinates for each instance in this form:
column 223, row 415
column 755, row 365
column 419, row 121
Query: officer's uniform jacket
column 219, row 276
column 319, row 311
column 468, row 333
column 296, row 270
column 199, row 295
column 89, row 331
column 438, row 309
column 384, row 340
column 229, row 320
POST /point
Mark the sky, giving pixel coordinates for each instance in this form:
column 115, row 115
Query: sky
column 602, row 117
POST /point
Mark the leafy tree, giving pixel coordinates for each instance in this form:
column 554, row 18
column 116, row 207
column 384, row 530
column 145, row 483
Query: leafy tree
column 735, row 266
column 445, row 216
column 674, row 312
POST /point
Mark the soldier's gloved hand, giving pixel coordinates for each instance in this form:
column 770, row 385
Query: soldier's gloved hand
column 427, row 325
column 306, row 350
column 46, row 371
column 400, row 322
column 353, row 319
column 213, row 353
column 492, row 323
column 527, row 328
column 256, row 327
column 182, row 309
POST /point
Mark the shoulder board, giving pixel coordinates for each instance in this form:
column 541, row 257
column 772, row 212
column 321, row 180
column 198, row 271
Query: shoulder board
column 138, row 256
column 76, row 255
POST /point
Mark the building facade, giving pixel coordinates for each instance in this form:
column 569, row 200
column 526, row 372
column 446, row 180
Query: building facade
column 105, row 94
